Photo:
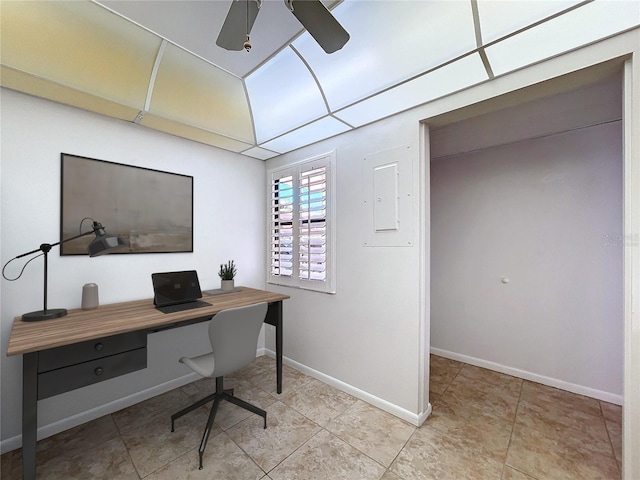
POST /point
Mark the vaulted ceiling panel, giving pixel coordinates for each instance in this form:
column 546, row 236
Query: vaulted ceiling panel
column 445, row 80
column 578, row 27
column 390, row 43
column 41, row 87
column 81, row 46
column 194, row 92
column 179, row 129
column 499, row 18
column 319, row 130
column 283, row 95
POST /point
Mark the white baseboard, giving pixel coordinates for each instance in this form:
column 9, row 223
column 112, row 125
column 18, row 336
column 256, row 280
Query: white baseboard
column 534, row 377
column 413, row 418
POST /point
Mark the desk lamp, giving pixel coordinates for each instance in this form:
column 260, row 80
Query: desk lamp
column 103, row 243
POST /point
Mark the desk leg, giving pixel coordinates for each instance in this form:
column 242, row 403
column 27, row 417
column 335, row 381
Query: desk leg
column 29, row 414
column 274, row 317
column 279, row 348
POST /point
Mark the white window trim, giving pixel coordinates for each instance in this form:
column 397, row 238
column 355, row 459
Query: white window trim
column 294, row 169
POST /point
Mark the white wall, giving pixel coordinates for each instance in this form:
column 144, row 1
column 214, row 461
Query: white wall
column 34, row 133
column 367, row 334
column 546, row 214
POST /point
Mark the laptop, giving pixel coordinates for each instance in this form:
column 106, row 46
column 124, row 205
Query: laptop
column 177, row 291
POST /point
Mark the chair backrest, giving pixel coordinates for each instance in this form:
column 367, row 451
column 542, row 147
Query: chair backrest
column 233, row 334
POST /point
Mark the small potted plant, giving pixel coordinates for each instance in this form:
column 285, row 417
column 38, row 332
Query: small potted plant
column 227, row 273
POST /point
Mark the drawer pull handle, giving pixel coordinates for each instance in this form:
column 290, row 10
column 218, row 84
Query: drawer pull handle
column 99, row 346
column 99, row 371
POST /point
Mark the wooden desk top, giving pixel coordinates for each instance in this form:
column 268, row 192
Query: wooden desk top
column 106, row 320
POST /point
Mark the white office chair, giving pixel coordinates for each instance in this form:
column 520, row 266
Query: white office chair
column 233, row 334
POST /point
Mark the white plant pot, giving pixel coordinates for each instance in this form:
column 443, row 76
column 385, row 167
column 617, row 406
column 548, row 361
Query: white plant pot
column 226, row 285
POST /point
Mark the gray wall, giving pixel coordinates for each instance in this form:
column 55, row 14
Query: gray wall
column 545, row 215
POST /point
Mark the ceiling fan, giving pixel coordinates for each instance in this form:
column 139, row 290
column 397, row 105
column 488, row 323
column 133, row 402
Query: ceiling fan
column 312, row 14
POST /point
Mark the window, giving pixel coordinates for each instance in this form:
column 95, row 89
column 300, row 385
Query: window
column 301, row 226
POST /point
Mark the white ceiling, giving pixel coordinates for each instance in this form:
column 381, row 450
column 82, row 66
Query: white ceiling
column 156, row 63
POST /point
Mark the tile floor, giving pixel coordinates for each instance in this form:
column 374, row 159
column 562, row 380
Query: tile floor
column 485, row 425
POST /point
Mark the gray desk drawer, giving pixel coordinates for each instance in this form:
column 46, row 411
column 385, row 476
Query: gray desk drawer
column 68, row 355
column 68, row 378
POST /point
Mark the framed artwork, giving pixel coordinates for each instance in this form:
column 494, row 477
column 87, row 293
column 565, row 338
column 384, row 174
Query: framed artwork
column 150, row 209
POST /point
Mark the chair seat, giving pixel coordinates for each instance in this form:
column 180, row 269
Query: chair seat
column 202, row 364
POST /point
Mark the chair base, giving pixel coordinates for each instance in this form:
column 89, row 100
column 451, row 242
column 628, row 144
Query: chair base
column 219, row 395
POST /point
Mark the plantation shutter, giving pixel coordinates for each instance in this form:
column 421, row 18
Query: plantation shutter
column 301, row 218
column 282, row 235
column 312, row 224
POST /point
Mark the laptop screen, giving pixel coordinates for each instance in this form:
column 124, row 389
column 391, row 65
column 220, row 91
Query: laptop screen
column 171, row 288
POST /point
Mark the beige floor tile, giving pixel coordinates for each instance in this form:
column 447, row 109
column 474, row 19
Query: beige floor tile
column 262, row 365
column 476, row 431
column 482, row 380
column 484, row 426
column 286, row 431
column 159, row 407
column 324, row 457
column 611, row 412
column 377, row 434
column 389, row 475
column 430, row 454
column 201, row 388
column 478, row 410
column 590, row 434
column 11, row 465
column 512, row 474
column 547, row 456
column 318, row 401
column 222, row 459
column 615, row 436
column 229, row 414
column 76, row 440
column 480, row 376
column 104, row 462
column 65, row 445
column 489, row 399
column 292, row 379
column 251, row 393
column 562, row 403
column 259, row 364
column 442, row 371
column 153, row 444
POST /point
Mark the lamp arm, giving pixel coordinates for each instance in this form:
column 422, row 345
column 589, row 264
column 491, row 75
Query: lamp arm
column 46, row 247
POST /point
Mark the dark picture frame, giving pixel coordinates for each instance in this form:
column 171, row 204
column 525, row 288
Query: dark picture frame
column 150, row 209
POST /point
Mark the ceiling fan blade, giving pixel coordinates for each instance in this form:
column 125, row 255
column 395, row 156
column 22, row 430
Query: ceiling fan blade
column 319, row 22
column 238, row 24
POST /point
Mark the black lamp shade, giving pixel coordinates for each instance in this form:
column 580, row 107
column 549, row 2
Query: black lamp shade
column 103, row 243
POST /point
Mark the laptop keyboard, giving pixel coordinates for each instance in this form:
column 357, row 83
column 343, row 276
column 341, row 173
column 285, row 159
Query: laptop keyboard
column 183, row 306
